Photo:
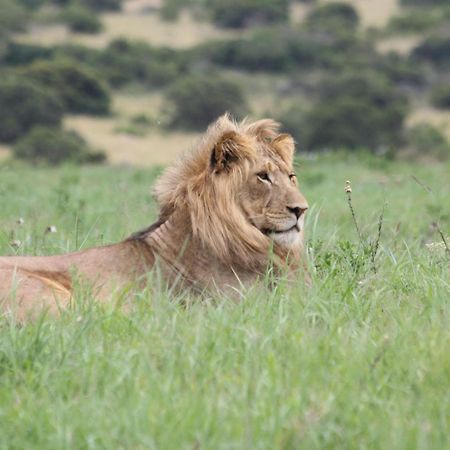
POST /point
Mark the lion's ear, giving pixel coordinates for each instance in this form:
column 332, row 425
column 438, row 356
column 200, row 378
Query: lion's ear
column 231, row 148
column 284, row 145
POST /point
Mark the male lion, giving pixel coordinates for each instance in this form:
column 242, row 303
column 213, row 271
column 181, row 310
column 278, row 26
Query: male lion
column 227, row 210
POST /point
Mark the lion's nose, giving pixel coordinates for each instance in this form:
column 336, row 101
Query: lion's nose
column 297, row 210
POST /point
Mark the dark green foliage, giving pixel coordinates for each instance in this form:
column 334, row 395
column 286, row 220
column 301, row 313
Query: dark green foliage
column 13, row 17
column 423, row 2
column 419, row 20
column 25, row 104
column 125, row 61
column 198, row 100
column 282, row 49
column 426, row 140
column 101, row 5
column 336, row 15
column 440, row 96
column 170, row 9
column 81, row 19
column 435, row 49
column 241, row 13
column 19, row 54
column 355, row 110
column 32, row 4
column 84, row 55
column 402, row 71
column 54, row 146
column 78, row 87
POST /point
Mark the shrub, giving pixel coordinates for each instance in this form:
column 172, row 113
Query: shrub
column 102, row 5
column 32, row 4
column 54, row 146
column 170, row 9
column 20, row 54
column 419, row 20
column 362, row 110
column 280, row 49
column 401, row 70
column 336, row 15
column 81, row 19
column 240, row 13
column 125, row 61
column 24, row 104
column 198, row 100
column 435, row 49
column 426, row 140
column 79, row 89
column 13, row 17
column 440, row 96
column 423, row 2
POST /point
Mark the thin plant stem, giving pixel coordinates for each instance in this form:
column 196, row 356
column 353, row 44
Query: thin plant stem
column 349, row 199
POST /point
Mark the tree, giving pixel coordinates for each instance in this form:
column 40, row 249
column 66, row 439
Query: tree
column 54, row 146
column 198, row 100
column 78, row 87
column 25, row 104
column 355, row 110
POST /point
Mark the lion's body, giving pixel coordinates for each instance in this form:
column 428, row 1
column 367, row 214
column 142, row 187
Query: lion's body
column 224, row 209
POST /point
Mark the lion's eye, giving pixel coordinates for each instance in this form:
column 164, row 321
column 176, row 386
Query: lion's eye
column 292, row 176
column 264, row 176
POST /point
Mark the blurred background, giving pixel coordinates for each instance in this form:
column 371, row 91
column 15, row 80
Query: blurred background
column 135, row 81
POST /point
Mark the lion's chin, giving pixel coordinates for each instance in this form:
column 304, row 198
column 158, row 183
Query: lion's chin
column 287, row 238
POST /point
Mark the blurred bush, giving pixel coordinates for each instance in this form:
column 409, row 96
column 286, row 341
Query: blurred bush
column 18, row 53
column 440, row 96
column 25, row 104
column 241, row 13
column 435, row 49
column 426, row 140
column 419, row 20
column 80, row 89
column 54, row 146
column 281, row 49
column 423, row 2
column 99, row 5
column 81, row 19
column 353, row 110
column 125, row 61
column 334, row 15
column 13, row 17
column 199, row 99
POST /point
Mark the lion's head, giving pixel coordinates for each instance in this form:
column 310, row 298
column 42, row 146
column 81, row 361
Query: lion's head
column 238, row 191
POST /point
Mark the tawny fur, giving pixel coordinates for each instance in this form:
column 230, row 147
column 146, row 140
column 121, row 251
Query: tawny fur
column 227, row 209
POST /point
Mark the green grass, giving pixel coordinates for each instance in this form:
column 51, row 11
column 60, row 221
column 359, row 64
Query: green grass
column 360, row 360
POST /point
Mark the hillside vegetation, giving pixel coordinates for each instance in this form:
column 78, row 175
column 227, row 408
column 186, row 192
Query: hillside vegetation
column 316, row 65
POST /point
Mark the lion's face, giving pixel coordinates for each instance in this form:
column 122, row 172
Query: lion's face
column 273, row 203
column 238, row 193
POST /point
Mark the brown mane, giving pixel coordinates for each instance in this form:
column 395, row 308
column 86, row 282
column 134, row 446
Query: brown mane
column 214, row 214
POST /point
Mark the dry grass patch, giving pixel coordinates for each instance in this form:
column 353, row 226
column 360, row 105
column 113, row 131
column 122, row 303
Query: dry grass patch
column 5, row 152
column 157, row 147
column 399, row 44
column 439, row 119
column 182, row 33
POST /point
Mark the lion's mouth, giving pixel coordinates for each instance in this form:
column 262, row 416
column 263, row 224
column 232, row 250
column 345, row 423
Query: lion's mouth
column 294, row 228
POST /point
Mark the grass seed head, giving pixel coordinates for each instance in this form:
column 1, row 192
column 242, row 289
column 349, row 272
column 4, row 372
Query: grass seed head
column 51, row 229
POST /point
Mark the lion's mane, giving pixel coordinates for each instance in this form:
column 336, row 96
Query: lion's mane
column 210, row 199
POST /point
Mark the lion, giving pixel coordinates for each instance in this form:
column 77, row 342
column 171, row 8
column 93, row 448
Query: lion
column 227, row 211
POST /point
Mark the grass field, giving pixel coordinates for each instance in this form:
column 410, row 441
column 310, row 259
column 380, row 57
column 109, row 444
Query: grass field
column 359, row 360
